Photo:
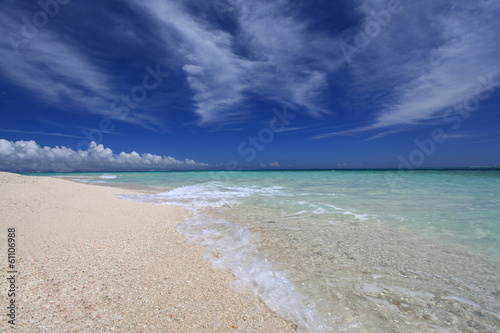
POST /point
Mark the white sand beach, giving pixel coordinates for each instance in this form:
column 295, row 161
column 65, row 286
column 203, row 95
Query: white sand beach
column 88, row 261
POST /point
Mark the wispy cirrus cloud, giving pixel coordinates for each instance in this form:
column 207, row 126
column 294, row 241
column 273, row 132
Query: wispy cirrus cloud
column 429, row 58
column 449, row 74
column 213, row 71
column 44, row 63
column 54, row 71
column 271, row 55
column 292, row 61
column 42, row 133
column 57, row 69
column 425, row 60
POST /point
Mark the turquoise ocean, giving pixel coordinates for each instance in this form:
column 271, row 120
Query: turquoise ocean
column 344, row 250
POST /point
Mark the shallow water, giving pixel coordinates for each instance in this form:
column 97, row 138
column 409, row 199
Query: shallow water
column 347, row 250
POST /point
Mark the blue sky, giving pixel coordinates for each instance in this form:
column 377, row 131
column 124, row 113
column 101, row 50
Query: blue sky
column 231, row 84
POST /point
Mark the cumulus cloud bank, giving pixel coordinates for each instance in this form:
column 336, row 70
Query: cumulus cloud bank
column 29, row 156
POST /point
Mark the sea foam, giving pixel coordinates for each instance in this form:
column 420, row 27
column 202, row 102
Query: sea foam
column 232, row 247
column 107, row 177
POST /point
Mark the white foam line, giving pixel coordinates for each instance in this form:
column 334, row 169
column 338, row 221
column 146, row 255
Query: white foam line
column 361, row 217
column 236, row 250
column 107, row 177
column 335, row 207
column 238, row 254
column 295, row 214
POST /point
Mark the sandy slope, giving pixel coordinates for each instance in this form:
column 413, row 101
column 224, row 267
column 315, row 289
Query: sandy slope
column 89, row 261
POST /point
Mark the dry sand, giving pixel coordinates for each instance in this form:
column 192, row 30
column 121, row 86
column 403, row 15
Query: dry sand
column 89, row 262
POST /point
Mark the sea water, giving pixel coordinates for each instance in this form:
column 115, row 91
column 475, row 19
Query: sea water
column 334, row 251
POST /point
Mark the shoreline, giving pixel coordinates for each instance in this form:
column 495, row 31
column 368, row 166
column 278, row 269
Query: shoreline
column 89, row 261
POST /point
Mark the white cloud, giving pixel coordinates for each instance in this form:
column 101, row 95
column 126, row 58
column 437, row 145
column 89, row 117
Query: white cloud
column 271, row 55
column 214, row 72
column 291, row 62
column 48, row 67
column 348, row 165
column 275, row 164
column 276, row 63
column 451, row 73
column 438, row 64
column 427, row 59
column 29, row 156
column 59, row 70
